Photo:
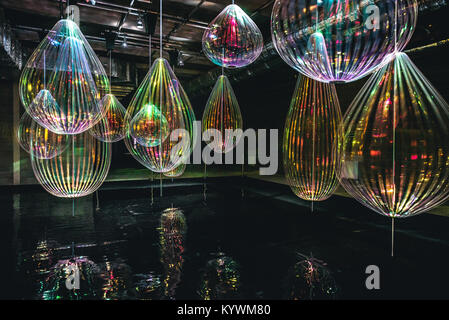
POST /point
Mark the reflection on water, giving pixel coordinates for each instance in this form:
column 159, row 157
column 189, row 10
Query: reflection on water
column 130, row 249
column 54, row 287
column 310, row 279
column 43, row 257
column 221, row 279
column 173, row 227
column 116, row 279
column 147, row 287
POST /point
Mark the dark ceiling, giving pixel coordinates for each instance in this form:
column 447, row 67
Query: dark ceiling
column 183, row 25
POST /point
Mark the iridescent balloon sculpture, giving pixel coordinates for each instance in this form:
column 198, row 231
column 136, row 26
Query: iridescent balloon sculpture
column 45, row 144
column 159, row 97
column 65, row 71
column 312, row 134
column 232, row 39
column 223, row 114
column 115, row 117
column 77, row 172
column 341, row 40
column 395, row 148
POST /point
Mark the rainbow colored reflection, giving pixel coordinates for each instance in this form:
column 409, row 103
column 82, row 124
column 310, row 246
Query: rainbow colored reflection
column 173, row 228
column 232, row 39
column 311, row 136
column 114, row 115
column 39, row 141
column 222, row 113
column 341, row 40
column 77, row 172
column 395, row 149
column 162, row 89
column 220, row 279
column 64, row 70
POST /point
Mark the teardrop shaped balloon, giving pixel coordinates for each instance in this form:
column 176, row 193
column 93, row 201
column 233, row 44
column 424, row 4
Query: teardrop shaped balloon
column 149, row 127
column 311, row 139
column 176, row 172
column 77, row 172
column 222, row 113
column 341, row 40
column 395, row 148
column 65, row 65
column 114, row 115
column 46, row 144
column 232, row 39
column 161, row 89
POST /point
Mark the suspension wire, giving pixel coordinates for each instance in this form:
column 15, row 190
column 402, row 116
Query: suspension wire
column 73, row 174
column 110, row 71
column 45, row 69
column 161, row 149
column 393, row 203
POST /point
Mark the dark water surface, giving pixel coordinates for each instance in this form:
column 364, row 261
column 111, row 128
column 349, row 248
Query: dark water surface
column 227, row 247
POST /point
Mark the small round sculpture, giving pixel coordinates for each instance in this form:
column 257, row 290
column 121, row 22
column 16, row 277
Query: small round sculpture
column 65, row 70
column 232, row 39
column 341, row 40
column 114, row 115
column 149, row 127
column 395, row 150
column 45, row 144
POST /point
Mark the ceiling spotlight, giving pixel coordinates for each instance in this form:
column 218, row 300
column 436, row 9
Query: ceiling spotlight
column 125, row 43
column 139, row 22
column 180, row 59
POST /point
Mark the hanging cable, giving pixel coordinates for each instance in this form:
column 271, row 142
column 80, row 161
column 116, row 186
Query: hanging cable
column 160, row 98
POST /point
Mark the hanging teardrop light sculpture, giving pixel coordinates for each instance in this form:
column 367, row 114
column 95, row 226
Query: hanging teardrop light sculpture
column 395, row 148
column 172, row 139
column 77, row 172
column 64, row 68
column 311, row 137
column 114, row 115
column 232, row 39
column 222, row 113
column 46, row 144
column 149, row 127
column 341, row 40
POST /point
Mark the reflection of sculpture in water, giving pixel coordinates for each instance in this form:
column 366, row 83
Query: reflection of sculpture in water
column 43, row 257
column 147, row 287
column 172, row 230
column 55, row 285
column 221, row 279
column 309, row 279
column 116, row 280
